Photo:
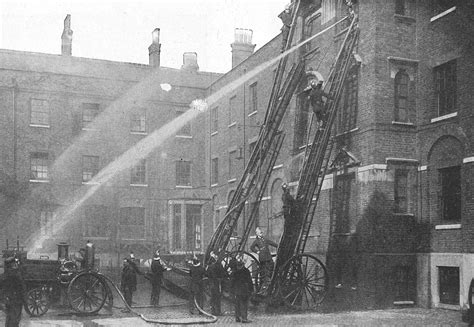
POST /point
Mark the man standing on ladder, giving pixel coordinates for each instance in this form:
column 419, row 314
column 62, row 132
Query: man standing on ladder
column 260, row 246
column 286, row 19
column 315, row 96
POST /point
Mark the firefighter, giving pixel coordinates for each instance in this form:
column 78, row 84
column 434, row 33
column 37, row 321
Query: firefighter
column 128, row 283
column 13, row 289
column 260, row 246
column 242, row 287
column 288, row 202
column 286, row 19
column 216, row 273
column 315, row 96
column 157, row 269
column 197, row 273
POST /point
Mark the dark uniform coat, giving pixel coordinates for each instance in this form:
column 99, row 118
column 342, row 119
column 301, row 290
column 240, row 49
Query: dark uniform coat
column 242, row 287
column 197, row 274
column 128, row 282
column 156, row 277
column 13, row 290
column 216, row 273
column 260, row 245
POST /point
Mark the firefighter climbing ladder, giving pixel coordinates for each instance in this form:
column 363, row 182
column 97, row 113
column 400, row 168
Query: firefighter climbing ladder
column 264, row 155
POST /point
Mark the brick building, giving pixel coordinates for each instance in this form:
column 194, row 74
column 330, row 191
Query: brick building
column 394, row 220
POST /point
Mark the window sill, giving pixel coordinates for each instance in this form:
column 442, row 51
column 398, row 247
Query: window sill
column 184, row 186
column 214, row 133
column 277, row 166
column 89, row 183
column 448, row 226
column 214, row 185
column 139, row 185
column 138, row 133
column 448, row 306
column 184, row 136
column 404, row 18
column 39, row 125
column 252, row 113
column 403, row 302
column 39, row 180
column 232, row 124
column 403, row 214
column 400, row 123
column 444, row 13
column 444, row 117
column 232, row 180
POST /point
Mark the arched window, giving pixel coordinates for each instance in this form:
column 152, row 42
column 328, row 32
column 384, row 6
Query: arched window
column 401, row 96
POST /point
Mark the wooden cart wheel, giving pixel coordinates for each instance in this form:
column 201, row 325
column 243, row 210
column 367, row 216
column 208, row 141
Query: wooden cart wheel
column 37, row 301
column 303, row 282
column 87, row 292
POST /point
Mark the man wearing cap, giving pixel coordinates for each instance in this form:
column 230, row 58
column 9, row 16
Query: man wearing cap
column 157, row 269
column 260, row 246
column 286, row 19
column 197, row 273
column 13, row 288
column 242, row 287
column 315, row 96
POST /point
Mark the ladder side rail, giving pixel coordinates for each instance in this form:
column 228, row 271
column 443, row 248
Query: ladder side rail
column 261, row 192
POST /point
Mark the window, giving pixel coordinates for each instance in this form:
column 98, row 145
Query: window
column 177, row 226
column 328, row 10
column 138, row 173
column 449, row 285
column 96, row 222
column 186, row 129
column 232, row 109
column 450, row 193
column 342, row 202
column 193, row 226
column 401, row 96
column 39, row 166
column 89, row 113
column 132, row 223
column 214, row 119
column 232, row 159
column 215, row 171
column 46, row 222
column 138, row 121
column 90, row 167
column 401, row 190
column 400, row 8
column 253, row 104
column 183, row 173
column 445, row 83
column 348, row 112
column 39, row 112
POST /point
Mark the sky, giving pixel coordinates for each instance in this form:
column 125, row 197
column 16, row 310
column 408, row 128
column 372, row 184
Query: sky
column 120, row 30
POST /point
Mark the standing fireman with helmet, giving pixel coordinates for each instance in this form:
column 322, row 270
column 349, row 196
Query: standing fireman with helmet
column 13, row 289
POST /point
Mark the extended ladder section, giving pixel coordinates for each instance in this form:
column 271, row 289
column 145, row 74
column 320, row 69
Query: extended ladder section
column 317, row 156
column 258, row 170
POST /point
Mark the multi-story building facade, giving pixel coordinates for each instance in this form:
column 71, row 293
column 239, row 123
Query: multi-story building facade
column 394, row 219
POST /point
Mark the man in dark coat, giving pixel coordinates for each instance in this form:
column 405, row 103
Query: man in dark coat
column 260, row 246
column 242, row 287
column 216, row 273
column 157, row 269
column 315, row 96
column 286, row 19
column 128, row 282
column 13, row 289
column 197, row 273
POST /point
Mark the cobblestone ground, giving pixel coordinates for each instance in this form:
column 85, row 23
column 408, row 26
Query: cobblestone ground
column 174, row 311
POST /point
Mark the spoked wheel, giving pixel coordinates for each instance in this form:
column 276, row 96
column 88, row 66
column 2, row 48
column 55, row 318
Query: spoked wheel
column 37, row 301
column 303, row 282
column 87, row 293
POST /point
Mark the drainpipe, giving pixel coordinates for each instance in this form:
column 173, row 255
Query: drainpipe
column 14, row 95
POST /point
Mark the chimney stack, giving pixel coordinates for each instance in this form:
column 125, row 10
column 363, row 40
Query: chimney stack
column 66, row 37
column 242, row 47
column 154, row 49
column 190, row 61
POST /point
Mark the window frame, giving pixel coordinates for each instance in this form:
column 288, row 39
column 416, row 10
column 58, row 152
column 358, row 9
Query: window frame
column 443, row 288
column 401, row 94
column 187, row 179
column 232, row 110
column 400, row 192
column 214, row 119
column 445, row 82
column 42, row 166
column 450, row 200
column 253, row 97
column 232, row 164
column 92, row 164
column 138, row 124
column 90, row 111
column 186, row 129
column 348, row 110
column 138, row 173
column 35, row 115
column 214, row 171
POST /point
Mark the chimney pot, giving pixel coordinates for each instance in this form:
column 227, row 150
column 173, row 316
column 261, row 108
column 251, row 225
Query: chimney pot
column 66, row 37
column 242, row 47
column 154, row 49
column 190, row 61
